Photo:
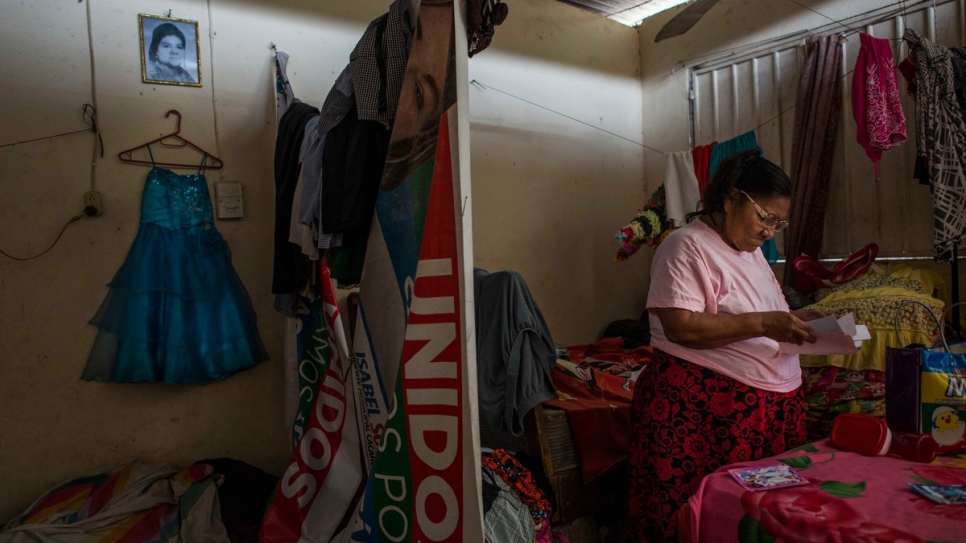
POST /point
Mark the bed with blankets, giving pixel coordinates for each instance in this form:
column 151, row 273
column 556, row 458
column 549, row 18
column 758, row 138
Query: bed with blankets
column 836, row 384
column 219, row 500
column 581, row 435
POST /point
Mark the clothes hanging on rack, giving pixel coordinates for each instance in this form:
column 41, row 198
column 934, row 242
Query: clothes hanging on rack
column 880, row 122
column 681, row 186
column 291, row 269
column 302, row 235
column 176, row 311
column 378, row 64
column 355, row 155
column 338, row 102
column 701, row 156
column 723, row 150
column 284, row 95
column 359, row 111
column 482, row 16
column 941, row 139
column 958, row 58
column 343, row 157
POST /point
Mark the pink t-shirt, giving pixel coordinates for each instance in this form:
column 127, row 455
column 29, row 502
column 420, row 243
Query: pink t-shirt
column 695, row 269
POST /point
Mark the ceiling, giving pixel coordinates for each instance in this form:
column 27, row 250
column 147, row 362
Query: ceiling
column 628, row 12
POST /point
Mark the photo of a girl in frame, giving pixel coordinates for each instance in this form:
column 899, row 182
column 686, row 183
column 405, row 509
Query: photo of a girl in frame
column 170, row 51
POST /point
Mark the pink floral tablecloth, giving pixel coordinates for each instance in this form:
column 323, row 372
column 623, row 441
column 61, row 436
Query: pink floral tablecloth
column 850, row 498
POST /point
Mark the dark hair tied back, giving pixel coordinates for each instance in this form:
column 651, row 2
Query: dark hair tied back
column 747, row 171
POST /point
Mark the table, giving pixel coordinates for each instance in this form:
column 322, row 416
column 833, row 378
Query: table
column 850, row 498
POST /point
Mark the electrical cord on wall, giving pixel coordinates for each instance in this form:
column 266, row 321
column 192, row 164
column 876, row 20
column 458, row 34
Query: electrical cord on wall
column 45, row 251
column 93, row 118
column 89, row 113
column 90, row 117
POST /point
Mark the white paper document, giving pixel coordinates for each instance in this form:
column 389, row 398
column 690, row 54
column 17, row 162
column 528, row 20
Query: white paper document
column 833, row 336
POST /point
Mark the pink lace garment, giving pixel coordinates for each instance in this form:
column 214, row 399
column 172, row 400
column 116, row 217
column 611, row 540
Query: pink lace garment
column 880, row 122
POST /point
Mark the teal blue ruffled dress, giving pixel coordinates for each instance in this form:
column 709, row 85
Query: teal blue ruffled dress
column 176, row 311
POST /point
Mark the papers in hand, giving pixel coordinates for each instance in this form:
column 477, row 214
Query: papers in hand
column 833, row 336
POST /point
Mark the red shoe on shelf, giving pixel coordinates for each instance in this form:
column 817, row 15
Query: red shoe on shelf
column 855, row 265
column 810, row 274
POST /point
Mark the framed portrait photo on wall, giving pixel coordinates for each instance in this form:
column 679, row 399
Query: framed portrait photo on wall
column 170, row 51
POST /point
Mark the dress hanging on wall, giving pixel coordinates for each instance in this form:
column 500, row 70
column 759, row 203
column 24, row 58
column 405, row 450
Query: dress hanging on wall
column 176, row 311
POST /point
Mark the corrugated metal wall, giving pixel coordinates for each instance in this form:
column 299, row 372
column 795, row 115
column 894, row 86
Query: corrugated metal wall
column 754, row 89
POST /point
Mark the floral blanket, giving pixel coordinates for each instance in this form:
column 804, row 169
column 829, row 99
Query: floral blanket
column 130, row 503
column 849, row 498
column 831, row 391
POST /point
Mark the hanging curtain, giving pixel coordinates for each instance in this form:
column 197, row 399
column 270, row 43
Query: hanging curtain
column 818, row 105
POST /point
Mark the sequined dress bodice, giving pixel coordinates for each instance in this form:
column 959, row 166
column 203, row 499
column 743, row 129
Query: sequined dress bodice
column 174, row 201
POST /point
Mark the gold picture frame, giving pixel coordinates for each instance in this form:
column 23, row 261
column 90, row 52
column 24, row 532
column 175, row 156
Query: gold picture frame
column 170, row 51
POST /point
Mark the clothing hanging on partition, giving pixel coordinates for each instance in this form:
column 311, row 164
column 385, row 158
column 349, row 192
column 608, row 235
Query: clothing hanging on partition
column 284, row 95
column 378, row 64
column 302, row 235
column 286, row 303
column 481, row 18
column 291, row 270
column 343, row 156
column 338, row 102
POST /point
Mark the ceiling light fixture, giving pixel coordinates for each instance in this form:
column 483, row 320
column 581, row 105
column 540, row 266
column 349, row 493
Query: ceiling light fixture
column 634, row 15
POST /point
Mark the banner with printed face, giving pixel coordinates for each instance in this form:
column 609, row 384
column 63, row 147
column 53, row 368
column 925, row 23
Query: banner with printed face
column 404, row 396
column 411, row 316
column 415, row 489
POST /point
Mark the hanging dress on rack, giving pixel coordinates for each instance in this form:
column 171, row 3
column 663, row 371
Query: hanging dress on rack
column 940, row 140
column 176, row 311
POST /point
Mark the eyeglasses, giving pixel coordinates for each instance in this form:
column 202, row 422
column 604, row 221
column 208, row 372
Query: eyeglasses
column 767, row 220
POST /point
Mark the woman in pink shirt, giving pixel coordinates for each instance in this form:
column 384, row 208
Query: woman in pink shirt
column 719, row 390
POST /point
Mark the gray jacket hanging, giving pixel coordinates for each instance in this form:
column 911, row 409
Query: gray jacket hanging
column 514, row 350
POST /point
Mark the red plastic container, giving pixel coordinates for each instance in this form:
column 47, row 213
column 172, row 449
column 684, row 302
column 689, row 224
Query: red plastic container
column 915, row 447
column 871, row 436
column 860, row 433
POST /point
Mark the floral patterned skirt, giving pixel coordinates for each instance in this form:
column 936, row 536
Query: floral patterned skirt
column 688, row 421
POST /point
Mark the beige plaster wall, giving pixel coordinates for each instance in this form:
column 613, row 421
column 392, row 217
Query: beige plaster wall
column 52, row 425
column 549, row 193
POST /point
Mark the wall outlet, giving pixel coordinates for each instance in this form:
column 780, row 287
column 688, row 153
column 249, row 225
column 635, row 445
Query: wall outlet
column 92, row 204
column 228, row 196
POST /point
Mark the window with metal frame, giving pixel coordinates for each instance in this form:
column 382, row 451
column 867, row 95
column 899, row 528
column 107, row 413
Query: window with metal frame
column 754, row 87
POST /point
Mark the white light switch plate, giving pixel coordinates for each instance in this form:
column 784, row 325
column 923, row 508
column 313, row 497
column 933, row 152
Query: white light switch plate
column 228, row 197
